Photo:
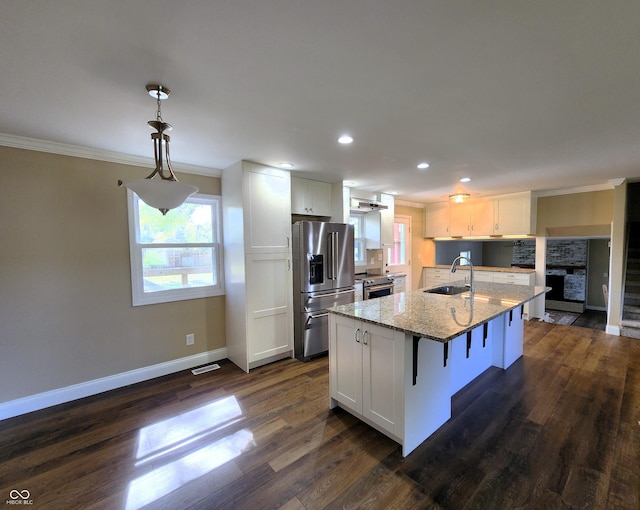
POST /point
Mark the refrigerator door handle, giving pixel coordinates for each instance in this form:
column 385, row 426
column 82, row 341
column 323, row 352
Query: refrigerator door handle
column 330, row 266
column 317, row 316
column 334, row 254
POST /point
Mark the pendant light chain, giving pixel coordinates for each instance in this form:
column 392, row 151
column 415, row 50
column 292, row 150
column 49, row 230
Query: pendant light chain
column 159, row 110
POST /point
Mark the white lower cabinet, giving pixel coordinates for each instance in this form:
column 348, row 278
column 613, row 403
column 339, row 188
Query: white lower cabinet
column 435, row 276
column 371, row 374
column 399, row 284
column 269, row 306
column 367, row 371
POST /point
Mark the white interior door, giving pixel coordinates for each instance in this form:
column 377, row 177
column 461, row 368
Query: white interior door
column 399, row 255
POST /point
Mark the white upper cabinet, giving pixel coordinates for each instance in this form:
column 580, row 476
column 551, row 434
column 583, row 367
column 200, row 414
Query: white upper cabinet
column 514, row 214
column 481, row 217
column 460, row 219
column 309, row 197
column 436, row 220
column 267, row 209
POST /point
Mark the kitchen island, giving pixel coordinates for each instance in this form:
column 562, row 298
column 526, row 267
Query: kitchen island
column 395, row 361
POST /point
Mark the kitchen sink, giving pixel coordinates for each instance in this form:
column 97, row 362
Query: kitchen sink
column 447, row 290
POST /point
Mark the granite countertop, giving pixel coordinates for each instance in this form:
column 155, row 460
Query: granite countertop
column 439, row 317
column 484, row 268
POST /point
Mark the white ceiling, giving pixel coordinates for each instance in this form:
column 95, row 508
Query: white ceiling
column 516, row 94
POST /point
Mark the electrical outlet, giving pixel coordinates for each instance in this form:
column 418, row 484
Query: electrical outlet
column 191, row 338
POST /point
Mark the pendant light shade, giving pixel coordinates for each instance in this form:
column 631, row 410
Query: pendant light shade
column 164, row 193
column 161, row 194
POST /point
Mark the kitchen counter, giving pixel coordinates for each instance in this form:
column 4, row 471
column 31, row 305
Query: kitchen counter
column 395, row 361
column 438, row 317
column 484, row 268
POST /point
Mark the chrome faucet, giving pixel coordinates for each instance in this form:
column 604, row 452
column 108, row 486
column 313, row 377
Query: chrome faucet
column 472, row 287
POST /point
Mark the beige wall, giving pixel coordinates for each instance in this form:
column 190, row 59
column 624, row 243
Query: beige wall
column 65, row 289
column 422, row 250
column 577, row 214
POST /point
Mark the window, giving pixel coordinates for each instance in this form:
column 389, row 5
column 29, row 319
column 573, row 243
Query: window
column 397, row 254
column 466, row 255
column 359, row 241
column 177, row 256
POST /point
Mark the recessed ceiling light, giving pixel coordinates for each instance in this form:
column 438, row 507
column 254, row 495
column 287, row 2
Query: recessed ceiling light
column 285, row 164
column 423, row 165
column 465, row 179
column 345, row 139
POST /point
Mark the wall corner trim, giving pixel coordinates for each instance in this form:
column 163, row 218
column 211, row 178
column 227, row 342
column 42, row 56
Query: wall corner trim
column 61, row 395
column 612, row 330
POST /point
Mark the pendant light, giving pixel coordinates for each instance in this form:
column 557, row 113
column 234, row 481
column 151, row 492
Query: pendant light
column 458, row 198
column 166, row 192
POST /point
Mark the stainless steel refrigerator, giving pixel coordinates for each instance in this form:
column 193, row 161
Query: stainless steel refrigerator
column 323, row 276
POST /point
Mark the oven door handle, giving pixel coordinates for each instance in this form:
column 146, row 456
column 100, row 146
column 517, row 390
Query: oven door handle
column 375, row 288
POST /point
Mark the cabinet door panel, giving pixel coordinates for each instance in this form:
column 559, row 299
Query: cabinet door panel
column 319, row 194
column 460, row 219
column 436, row 222
column 345, row 360
column 298, row 196
column 513, row 215
column 482, row 217
column 435, row 277
column 383, row 358
column 269, row 306
column 268, row 223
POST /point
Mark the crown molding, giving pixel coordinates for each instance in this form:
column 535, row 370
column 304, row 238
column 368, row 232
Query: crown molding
column 570, row 191
column 77, row 151
column 407, row 203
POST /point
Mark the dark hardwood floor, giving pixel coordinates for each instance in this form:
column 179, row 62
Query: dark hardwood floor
column 559, row 429
column 594, row 319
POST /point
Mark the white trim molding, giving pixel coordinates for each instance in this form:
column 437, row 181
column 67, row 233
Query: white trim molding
column 612, row 329
column 570, row 191
column 85, row 389
column 407, row 203
column 63, row 149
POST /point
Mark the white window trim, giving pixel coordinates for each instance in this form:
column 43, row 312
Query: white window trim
column 363, row 262
column 138, row 296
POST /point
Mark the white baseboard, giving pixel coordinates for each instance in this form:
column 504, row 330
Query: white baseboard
column 612, row 330
column 58, row 396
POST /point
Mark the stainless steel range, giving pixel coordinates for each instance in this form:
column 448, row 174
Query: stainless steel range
column 377, row 286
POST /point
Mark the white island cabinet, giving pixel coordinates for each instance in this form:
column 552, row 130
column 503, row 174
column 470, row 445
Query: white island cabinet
column 395, row 361
column 367, row 371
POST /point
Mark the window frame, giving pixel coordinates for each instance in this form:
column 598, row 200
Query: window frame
column 362, row 240
column 138, row 296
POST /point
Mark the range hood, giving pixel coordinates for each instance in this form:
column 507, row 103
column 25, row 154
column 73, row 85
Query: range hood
column 364, row 205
